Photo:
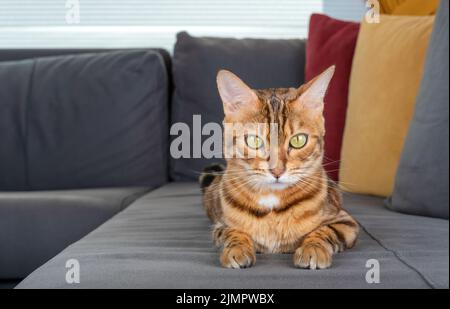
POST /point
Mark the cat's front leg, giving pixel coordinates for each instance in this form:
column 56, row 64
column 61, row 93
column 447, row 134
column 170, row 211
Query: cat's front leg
column 238, row 249
column 317, row 248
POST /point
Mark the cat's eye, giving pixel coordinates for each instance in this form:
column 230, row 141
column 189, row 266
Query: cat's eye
column 254, row 142
column 298, row 141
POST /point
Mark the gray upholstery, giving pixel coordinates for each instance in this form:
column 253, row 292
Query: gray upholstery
column 84, row 121
column 421, row 185
column 35, row 226
column 13, row 96
column 196, row 60
column 8, row 284
column 21, row 54
column 163, row 241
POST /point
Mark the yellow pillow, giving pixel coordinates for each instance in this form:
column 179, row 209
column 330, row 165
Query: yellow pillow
column 409, row 7
column 386, row 73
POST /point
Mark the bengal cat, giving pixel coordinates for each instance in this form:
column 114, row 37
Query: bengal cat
column 279, row 200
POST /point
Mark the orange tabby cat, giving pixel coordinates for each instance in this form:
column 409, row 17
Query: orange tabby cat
column 280, row 199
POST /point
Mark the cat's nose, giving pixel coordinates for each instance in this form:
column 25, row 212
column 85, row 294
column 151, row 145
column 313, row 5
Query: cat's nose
column 277, row 172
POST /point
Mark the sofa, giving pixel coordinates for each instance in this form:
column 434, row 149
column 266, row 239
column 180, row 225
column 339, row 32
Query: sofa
column 86, row 175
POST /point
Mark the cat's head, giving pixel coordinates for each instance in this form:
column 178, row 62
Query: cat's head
column 277, row 135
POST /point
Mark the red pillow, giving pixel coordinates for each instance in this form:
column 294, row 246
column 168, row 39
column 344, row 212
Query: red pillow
column 332, row 41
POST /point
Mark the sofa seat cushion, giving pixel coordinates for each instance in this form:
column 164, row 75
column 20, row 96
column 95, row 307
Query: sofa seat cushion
column 163, row 240
column 35, row 226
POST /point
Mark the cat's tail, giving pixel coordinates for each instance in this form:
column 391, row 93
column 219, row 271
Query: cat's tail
column 209, row 174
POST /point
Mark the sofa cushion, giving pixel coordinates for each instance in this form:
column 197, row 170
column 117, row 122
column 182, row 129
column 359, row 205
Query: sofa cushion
column 196, row 61
column 15, row 81
column 91, row 120
column 332, row 42
column 385, row 79
column 35, row 226
column 421, row 185
column 163, row 240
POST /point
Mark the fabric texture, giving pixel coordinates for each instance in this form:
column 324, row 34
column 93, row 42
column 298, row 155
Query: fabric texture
column 422, row 180
column 35, row 226
column 15, row 82
column 163, row 240
column 409, row 7
column 386, row 74
column 83, row 121
column 196, row 61
column 22, row 54
column 332, row 42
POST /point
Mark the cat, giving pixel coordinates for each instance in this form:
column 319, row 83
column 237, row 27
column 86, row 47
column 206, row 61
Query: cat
column 285, row 206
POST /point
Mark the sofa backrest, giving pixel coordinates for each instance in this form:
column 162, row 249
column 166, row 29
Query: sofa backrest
column 99, row 119
column 21, row 54
column 261, row 63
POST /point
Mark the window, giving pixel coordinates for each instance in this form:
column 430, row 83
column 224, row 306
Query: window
column 154, row 23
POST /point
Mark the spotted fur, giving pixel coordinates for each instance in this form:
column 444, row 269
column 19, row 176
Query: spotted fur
column 304, row 217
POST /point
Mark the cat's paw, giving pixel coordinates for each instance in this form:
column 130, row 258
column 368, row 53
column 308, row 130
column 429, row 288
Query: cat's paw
column 313, row 256
column 238, row 257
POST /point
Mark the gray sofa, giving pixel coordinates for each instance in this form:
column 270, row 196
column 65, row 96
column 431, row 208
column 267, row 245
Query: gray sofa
column 163, row 241
column 74, row 145
column 150, row 231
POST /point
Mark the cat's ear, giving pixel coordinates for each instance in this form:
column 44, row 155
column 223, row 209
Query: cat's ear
column 313, row 93
column 235, row 94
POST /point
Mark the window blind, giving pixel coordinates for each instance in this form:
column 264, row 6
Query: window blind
column 345, row 9
column 154, row 23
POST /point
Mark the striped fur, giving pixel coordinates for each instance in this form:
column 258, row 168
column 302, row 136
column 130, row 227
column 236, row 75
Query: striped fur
column 304, row 218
